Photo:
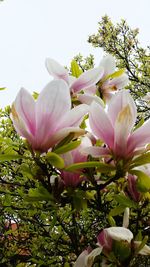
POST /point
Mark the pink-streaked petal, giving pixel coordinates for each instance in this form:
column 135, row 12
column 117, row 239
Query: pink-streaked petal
column 88, row 99
column 118, row 102
column 120, row 234
column 104, row 240
column 72, row 79
column 52, row 104
column 74, row 117
column 96, row 151
column 108, row 63
column 24, row 107
column 101, row 125
column 56, row 70
column 140, row 137
column 77, row 154
column 87, row 79
column 122, row 128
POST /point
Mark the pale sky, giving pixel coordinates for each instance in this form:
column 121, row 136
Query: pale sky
column 31, row 30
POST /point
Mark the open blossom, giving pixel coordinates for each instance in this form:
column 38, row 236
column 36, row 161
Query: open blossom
column 86, row 81
column 108, row 235
column 48, row 120
column 110, row 83
column 75, row 156
column 114, row 127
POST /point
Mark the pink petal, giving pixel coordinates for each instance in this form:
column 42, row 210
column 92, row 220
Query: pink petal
column 87, row 79
column 108, row 63
column 74, row 117
column 140, row 137
column 101, row 125
column 119, row 82
column 56, row 70
column 23, row 114
column 52, row 104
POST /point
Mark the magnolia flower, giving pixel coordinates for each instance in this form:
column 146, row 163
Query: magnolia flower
column 86, row 258
column 108, row 235
column 110, row 81
column 48, row 120
column 75, row 156
column 114, row 127
column 86, row 81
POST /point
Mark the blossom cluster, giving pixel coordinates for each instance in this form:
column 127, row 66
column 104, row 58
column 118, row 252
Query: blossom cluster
column 97, row 96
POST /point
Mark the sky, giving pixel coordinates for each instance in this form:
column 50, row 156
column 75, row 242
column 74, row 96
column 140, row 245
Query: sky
column 32, row 30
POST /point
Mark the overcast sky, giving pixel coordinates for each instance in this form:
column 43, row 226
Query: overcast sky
column 31, row 30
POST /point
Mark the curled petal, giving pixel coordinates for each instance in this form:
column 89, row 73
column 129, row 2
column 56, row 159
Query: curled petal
column 56, row 70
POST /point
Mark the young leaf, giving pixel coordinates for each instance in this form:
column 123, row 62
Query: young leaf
column 9, row 157
column 55, row 160
column 102, row 167
column 65, row 148
column 141, row 160
column 143, row 182
column 75, row 69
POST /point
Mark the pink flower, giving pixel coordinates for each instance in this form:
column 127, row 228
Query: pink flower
column 108, row 235
column 86, row 81
column 114, row 127
column 48, row 120
column 110, row 81
column 75, row 156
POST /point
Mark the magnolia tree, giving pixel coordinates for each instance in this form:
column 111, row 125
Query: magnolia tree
column 75, row 172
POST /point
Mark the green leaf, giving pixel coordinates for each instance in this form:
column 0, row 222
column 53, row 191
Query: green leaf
column 102, row 167
column 2, row 88
column 141, row 160
column 140, row 123
column 75, row 69
column 9, row 157
column 65, row 148
column 116, row 74
column 143, row 243
column 38, row 194
column 117, row 210
column 143, row 181
column 111, row 221
column 124, row 201
column 55, row 160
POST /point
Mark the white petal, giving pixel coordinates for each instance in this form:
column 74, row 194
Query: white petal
column 120, row 234
column 108, row 63
column 144, row 251
column 56, row 70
